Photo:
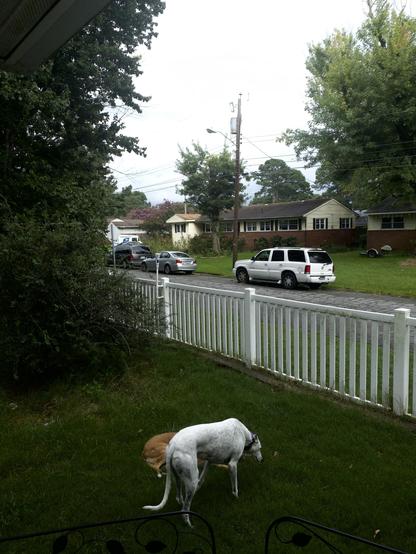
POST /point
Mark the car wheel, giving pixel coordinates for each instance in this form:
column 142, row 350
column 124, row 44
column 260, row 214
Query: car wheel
column 167, row 269
column 143, row 267
column 242, row 275
column 314, row 286
column 289, row 281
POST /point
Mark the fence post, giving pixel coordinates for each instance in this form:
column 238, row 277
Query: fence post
column 249, row 327
column 401, row 361
column 166, row 306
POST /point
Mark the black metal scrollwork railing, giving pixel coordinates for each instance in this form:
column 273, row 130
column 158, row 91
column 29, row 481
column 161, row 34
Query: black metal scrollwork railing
column 164, row 533
column 287, row 534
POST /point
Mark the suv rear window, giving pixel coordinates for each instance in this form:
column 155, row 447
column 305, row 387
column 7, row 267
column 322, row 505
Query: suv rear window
column 296, row 255
column 319, row 258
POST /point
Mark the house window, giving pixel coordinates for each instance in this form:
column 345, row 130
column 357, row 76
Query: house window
column 251, row 226
column 320, row 223
column 288, row 225
column 266, row 226
column 392, row 222
column 207, row 228
column 227, row 226
column 345, row 223
column 180, row 227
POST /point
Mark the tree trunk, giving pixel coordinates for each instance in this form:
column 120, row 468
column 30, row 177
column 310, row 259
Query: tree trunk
column 216, row 237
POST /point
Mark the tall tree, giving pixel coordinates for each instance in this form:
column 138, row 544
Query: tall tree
column 126, row 200
column 60, row 127
column 279, row 183
column 208, row 184
column 154, row 217
column 362, row 105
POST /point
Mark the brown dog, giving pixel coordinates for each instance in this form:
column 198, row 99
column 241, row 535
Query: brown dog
column 154, row 451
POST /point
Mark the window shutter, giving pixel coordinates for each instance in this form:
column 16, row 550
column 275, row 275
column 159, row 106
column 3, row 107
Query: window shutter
column 326, row 223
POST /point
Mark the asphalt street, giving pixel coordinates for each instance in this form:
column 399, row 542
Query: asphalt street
column 325, row 296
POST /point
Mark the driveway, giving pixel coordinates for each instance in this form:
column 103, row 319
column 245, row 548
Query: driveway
column 325, row 296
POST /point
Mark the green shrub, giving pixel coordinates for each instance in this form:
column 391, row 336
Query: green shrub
column 290, row 241
column 261, row 243
column 277, row 241
column 201, row 244
column 61, row 310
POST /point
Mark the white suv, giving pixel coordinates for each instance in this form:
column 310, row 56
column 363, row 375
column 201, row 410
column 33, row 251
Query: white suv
column 287, row 266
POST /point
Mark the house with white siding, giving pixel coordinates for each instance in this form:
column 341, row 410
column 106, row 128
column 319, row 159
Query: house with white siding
column 123, row 230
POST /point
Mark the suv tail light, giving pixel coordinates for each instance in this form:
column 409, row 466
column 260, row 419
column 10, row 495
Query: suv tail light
column 129, row 257
column 333, row 269
column 307, row 268
column 178, row 261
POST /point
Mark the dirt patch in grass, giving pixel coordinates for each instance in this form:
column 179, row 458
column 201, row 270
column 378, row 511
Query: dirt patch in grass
column 409, row 262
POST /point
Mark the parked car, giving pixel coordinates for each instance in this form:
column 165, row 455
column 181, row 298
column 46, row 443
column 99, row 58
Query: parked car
column 129, row 255
column 287, row 266
column 170, row 261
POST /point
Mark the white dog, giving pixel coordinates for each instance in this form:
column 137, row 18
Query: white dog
column 223, row 442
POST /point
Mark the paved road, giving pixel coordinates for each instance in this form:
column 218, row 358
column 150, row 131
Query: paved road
column 343, row 299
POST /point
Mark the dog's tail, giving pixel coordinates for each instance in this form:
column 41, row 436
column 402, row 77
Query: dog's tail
column 168, row 484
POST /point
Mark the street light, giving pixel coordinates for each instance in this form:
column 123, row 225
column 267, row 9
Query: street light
column 211, row 131
column 236, row 179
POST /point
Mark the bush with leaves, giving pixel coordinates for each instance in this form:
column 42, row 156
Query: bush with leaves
column 63, row 311
column 261, row 243
column 60, row 310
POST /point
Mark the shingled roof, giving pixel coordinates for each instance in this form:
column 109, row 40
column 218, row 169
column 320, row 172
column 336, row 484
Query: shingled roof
column 274, row 211
column 391, row 206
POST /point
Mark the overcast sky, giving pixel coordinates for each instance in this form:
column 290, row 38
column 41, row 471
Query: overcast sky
column 206, row 54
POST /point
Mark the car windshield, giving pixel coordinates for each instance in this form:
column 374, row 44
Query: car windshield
column 180, row 255
column 319, row 258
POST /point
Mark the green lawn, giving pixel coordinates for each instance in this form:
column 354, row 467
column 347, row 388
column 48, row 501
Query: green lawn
column 71, row 454
column 394, row 274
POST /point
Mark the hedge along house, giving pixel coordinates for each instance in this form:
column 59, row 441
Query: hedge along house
column 317, row 222
column 392, row 222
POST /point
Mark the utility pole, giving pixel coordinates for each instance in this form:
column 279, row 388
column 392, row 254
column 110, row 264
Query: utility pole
column 237, row 182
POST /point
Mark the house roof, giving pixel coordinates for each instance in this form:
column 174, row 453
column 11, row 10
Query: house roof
column 283, row 209
column 179, row 218
column 126, row 223
column 392, row 205
column 31, row 30
column 261, row 211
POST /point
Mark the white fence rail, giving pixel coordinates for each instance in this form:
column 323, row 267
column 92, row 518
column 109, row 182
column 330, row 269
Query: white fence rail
column 365, row 356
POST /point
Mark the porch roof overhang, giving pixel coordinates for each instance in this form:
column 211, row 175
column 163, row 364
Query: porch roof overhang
column 31, row 30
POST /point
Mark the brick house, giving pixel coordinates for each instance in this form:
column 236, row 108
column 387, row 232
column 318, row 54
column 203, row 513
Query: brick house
column 392, row 222
column 316, row 222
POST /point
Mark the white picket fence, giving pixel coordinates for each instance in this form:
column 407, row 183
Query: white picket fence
column 365, row 356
